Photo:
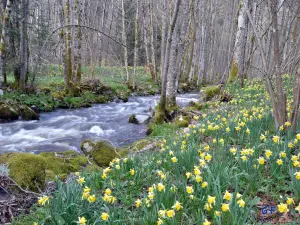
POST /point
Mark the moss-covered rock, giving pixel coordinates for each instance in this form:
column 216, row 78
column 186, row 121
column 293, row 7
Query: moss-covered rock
column 101, row 152
column 123, row 95
column 28, row 114
column 28, row 170
column 182, row 121
column 210, row 92
column 133, row 119
column 9, row 112
column 64, row 162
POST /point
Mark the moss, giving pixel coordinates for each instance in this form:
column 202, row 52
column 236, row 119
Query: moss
column 210, row 92
column 50, row 175
column 28, row 114
column 92, row 168
column 5, row 157
column 101, row 152
column 8, row 112
column 196, row 106
column 132, row 119
column 182, row 121
column 233, row 72
column 28, row 170
column 122, row 95
column 66, row 163
column 87, row 146
column 59, row 165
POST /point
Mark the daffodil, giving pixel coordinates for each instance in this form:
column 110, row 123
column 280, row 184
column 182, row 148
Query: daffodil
column 189, row 190
column 92, row 198
column 204, row 184
column 297, row 175
column 138, row 203
column 290, row 201
column 279, row 162
column 206, row 222
column 160, row 187
column 261, row 160
column 104, row 216
column 132, row 172
column 170, row 213
column 276, row 139
column 174, row 159
column 81, row 221
column 211, row 199
column 177, row 206
column 241, row 203
column 283, row 208
column 227, row 196
column 80, row 180
column 225, row 207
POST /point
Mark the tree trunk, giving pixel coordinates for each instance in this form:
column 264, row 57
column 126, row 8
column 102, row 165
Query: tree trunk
column 136, row 36
column 238, row 62
column 23, row 44
column 146, row 40
column 153, row 67
column 280, row 105
column 68, row 80
column 77, row 45
column 62, row 39
column 124, row 39
column 162, row 103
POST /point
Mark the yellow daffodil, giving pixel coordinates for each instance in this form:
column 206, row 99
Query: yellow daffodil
column 174, row 159
column 225, row 207
column 227, row 196
column 290, row 201
column 177, row 206
column 80, row 180
column 138, row 203
column 170, row 213
column 81, row 221
column 104, row 216
column 279, row 162
column 283, row 208
column 92, row 198
column 189, row 190
column 132, row 172
column 211, row 199
column 297, row 175
column 160, row 187
column 241, row 203
column 261, row 160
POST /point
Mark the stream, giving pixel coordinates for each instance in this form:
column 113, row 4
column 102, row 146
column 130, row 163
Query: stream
column 65, row 129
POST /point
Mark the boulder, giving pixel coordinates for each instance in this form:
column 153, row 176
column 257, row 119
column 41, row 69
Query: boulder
column 9, row 112
column 208, row 93
column 143, row 119
column 133, row 119
column 182, row 121
column 28, row 114
column 101, row 152
column 28, row 170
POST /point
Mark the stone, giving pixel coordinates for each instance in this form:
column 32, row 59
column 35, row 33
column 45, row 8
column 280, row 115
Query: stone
column 8, row 112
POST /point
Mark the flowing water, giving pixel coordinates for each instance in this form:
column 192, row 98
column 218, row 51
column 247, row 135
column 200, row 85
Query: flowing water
column 65, row 129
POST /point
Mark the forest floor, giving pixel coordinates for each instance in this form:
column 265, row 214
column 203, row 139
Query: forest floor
column 229, row 167
column 99, row 85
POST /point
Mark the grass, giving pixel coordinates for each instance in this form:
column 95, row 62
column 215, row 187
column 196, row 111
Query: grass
column 50, row 86
column 230, row 160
